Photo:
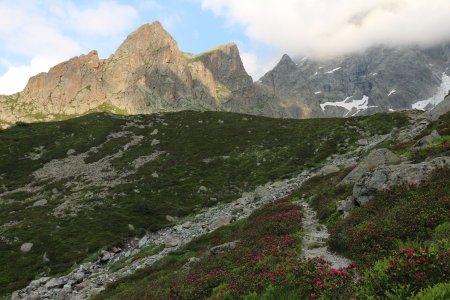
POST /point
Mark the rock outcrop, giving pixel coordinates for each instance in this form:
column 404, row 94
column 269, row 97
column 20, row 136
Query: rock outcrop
column 375, row 158
column 386, row 177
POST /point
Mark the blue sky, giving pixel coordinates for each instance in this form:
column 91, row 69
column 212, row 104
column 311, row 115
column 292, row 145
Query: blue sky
column 37, row 34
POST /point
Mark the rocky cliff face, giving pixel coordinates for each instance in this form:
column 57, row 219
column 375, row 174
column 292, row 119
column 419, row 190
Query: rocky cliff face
column 148, row 73
column 380, row 79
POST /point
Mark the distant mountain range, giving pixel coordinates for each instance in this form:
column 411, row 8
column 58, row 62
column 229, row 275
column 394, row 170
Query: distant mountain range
column 149, row 73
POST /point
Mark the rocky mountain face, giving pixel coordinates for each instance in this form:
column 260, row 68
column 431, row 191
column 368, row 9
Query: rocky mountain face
column 148, row 73
column 380, row 79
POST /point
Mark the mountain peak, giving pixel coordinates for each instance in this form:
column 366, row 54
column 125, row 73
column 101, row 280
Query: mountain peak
column 148, row 36
column 286, row 60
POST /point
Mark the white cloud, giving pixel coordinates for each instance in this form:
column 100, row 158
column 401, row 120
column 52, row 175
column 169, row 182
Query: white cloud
column 15, row 79
column 324, row 28
column 255, row 66
column 39, row 34
column 106, row 19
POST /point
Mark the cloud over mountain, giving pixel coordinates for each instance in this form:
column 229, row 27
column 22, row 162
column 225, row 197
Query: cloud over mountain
column 326, row 28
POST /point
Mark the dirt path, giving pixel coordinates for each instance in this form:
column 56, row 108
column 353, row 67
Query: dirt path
column 314, row 242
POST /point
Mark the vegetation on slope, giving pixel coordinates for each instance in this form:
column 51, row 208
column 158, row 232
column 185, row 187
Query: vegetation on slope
column 267, row 262
column 226, row 153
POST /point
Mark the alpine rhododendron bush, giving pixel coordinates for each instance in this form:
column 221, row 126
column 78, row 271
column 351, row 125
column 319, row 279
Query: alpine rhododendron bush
column 396, row 257
column 406, row 272
column 401, row 214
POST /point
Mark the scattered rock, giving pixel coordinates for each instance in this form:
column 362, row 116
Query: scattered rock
column 171, row 242
column 26, row 247
column 42, row 202
column 171, row 219
column 219, row 222
column 142, row 242
column 187, row 224
column 427, row 140
column 55, row 283
column 155, row 142
column 202, row 189
column 45, row 257
column 328, row 169
column 220, row 122
column 78, row 276
column 105, row 256
column 154, row 132
column 345, row 206
column 223, row 248
column 155, row 175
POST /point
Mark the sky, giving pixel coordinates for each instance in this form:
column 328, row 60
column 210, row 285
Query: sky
column 37, row 34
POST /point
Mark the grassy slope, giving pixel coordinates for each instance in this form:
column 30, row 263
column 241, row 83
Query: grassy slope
column 414, row 217
column 244, row 151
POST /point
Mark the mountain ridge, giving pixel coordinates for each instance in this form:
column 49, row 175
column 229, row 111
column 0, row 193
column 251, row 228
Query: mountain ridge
column 149, row 73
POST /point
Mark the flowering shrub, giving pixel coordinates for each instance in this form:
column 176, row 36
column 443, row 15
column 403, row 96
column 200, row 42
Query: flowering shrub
column 266, row 261
column 404, row 213
column 407, row 271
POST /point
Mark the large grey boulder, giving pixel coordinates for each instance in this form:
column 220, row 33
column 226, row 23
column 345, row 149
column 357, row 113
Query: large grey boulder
column 375, row 158
column 386, row 177
column 440, row 109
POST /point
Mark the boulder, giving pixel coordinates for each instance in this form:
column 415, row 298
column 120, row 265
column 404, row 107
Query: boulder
column 190, row 262
column 78, row 276
column 427, row 140
column 171, row 219
column 55, row 283
column 26, row 247
column 42, row 202
column 219, row 222
column 142, row 242
column 187, row 224
column 202, row 189
column 375, row 158
column 345, row 206
column 328, row 169
column 385, row 177
column 439, row 110
column 223, row 248
column 171, row 242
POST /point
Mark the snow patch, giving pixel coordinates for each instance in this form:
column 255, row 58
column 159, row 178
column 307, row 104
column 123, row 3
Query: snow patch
column 438, row 97
column 332, row 71
column 391, row 110
column 358, row 105
column 392, row 92
column 374, row 74
column 318, row 92
column 315, row 74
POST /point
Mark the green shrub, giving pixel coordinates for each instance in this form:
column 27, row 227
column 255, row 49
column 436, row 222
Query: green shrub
column 442, row 231
column 405, row 272
column 440, row 291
